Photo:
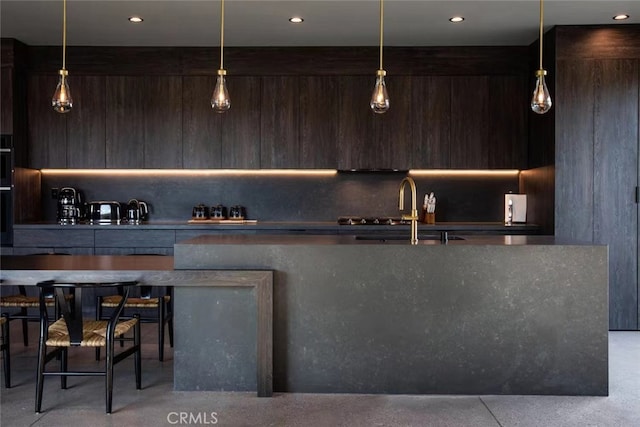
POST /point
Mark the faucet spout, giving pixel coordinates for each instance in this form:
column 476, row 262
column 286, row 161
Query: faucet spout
column 414, row 207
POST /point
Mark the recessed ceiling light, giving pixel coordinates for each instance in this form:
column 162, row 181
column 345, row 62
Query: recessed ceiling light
column 621, row 17
column 135, row 19
column 456, row 19
column 296, row 19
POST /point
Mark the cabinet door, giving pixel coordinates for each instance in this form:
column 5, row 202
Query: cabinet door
column 6, row 101
column 86, row 123
column 47, row 129
column 508, row 109
column 356, row 132
column 319, row 122
column 469, row 122
column 240, row 124
column 431, row 122
column 162, row 96
column 202, row 127
column 615, row 164
column 125, row 122
column 280, row 145
column 393, row 130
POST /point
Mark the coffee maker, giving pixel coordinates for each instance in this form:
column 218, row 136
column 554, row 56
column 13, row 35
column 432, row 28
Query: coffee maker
column 70, row 209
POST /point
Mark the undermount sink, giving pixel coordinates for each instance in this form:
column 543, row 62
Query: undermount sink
column 384, row 237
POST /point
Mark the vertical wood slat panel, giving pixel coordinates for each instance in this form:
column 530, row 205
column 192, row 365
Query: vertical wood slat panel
column 507, row 115
column 574, row 150
column 615, row 215
column 279, row 144
column 355, row 123
column 47, row 129
column 431, row 112
column 241, row 124
column 202, row 127
column 86, row 123
column 393, row 130
column 319, row 122
column 125, row 122
column 163, row 121
column 6, row 107
column 469, row 124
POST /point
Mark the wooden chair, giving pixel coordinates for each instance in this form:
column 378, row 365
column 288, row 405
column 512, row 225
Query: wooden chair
column 71, row 330
column 159, row 310
column 25, row 302
column 5, row 347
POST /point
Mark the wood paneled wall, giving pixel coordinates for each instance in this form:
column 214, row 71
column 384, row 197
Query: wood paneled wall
column 597, row 151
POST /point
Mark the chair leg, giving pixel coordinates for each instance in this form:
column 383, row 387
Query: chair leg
column 98, row 317
column 63, row 367
column 170, row 324
column 138, row 353
column 42, row 349
column 6, row 353
column 161, row 330
column 109, row 350
column 25, row 327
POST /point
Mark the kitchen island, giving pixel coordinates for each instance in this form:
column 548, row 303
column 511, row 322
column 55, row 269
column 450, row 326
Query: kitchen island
column 479, row 315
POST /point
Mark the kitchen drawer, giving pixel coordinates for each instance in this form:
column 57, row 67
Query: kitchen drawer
column 132, row 251
column 128, row 238
column 57, row 238
column 58, row 250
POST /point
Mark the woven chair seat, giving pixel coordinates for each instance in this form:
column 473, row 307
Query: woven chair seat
column 114, row 300
column 94, row 332
column 25, row 301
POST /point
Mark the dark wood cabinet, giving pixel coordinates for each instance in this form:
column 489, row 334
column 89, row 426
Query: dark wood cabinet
column 162, row 97
column 241, row 124
column 431, row 122
column 597, row 156
column 201, row 126
column 279, row 142
column 356, row 131
column 393, row 130
column 6, row 108
column 47, row 132
column 86, row 123
column 319, row 122
column 144, row 122
column 125, row 122
column 509, row 100
column 615, row 168
column 469, row 122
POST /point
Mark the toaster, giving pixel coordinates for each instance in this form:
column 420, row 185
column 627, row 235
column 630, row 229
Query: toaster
column 104, row 212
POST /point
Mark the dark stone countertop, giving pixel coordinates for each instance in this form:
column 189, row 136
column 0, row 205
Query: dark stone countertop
column 311, row 240
column 326, row 226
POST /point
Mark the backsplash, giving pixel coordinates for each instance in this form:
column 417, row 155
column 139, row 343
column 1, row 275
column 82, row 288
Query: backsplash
column 271, row 197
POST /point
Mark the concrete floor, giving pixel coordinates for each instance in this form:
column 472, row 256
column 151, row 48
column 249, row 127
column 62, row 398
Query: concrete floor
column 158, row 405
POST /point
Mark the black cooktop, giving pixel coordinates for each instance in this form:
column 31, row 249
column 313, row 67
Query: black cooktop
column 371, row 220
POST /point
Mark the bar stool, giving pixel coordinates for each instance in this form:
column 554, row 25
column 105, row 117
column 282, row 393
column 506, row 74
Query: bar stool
column 71, row 330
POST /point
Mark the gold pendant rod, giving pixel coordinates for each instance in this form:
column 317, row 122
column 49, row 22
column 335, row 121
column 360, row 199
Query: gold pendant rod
column 64, row 34
column 221, row 34
column 381, row 29
column 541, row 29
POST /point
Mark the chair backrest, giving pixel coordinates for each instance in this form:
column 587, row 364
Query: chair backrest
column 71, row 308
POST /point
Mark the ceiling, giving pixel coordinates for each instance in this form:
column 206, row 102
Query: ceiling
column 326, row 22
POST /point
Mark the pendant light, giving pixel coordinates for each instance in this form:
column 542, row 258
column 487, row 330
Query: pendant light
column 220, row 101
column 61, row 101
column 541, row 101
column 380, row 97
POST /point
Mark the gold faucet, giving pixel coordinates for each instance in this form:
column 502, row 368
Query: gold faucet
column 414, row 209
